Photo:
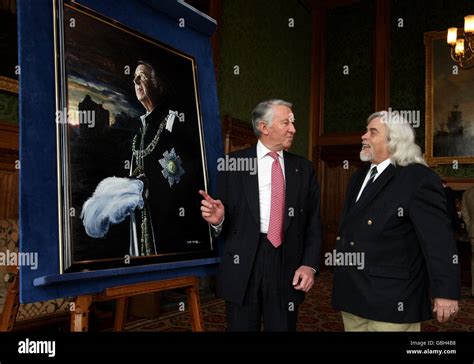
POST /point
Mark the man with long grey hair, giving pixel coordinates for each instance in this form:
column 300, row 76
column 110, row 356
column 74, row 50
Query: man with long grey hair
column 395, row 220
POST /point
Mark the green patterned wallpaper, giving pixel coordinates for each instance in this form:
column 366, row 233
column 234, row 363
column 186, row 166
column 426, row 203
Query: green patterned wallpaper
column 8, row 108
column 273, row 59
column 407, row 61
column 348, row 96
column 407, row 57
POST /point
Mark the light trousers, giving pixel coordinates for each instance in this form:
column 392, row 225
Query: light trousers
column 356, row 323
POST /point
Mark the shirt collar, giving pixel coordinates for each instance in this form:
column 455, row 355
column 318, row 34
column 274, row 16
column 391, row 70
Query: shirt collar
column 381, row 166
column 144, row 116
column 262, row 150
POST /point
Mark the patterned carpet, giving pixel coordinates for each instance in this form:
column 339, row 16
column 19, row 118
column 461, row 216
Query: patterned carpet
column 315, row 314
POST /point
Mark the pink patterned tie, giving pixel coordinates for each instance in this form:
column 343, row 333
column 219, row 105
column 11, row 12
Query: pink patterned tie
column 275, row 228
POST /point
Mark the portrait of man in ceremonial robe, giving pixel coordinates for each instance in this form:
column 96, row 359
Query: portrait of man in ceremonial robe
column 131, row 148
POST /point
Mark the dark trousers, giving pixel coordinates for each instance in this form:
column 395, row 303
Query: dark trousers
column 263, row 298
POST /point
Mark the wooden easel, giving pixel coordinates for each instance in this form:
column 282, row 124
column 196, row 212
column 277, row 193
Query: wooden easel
column 80, row 314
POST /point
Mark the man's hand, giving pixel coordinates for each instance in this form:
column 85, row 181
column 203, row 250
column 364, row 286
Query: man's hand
column 212, row 210
column 303, row 279
column 445, row 308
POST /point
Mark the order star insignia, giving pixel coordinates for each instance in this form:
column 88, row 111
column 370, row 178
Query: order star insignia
column 172, row 169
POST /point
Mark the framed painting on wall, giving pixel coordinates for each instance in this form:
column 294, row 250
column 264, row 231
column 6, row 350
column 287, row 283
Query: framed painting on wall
column 449, row 119
column 130, row 146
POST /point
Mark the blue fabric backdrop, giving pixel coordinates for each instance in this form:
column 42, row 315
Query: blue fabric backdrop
column 158, row 19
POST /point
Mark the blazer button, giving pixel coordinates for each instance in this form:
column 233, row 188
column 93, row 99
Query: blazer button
column 351, row 243
column 369, row 222
column 235, row 231
column 338, row 238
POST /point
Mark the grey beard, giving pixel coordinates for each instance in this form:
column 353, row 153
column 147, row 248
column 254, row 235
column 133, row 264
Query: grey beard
column 366, row 157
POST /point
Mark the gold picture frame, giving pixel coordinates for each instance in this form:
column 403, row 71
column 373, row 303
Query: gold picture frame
column 449, row 110
column 99, row 126
column 8, row 84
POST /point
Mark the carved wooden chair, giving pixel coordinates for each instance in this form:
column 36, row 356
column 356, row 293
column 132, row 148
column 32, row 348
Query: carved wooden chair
column 11, row 310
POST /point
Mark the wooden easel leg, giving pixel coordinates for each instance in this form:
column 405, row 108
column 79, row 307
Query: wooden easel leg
column 194, row 308
column 12, row 303
column 121, row 305
column 79, row 318
column 80, row 313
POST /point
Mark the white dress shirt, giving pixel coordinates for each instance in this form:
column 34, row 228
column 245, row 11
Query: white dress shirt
column 380, row 168
column 264, row 173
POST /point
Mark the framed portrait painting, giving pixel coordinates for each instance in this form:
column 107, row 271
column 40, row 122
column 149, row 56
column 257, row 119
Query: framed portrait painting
column 449, row 120
column 130, row 146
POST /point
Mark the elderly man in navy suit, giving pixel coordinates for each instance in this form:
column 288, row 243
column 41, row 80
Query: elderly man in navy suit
column 269, row 218
column 394, row 219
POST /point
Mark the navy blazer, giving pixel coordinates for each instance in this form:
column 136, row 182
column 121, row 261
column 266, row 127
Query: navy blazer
column 401, row 229
column 239, row 193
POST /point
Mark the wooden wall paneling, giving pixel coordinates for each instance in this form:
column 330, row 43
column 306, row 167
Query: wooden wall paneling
column 459, row 184
column 9, row 141
column 341, row 139
column 317, row 83
column 237, row 134
column 8, row 193
column 9, row 181
column 329, row 152
column 382, row 55
column 338, row 163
